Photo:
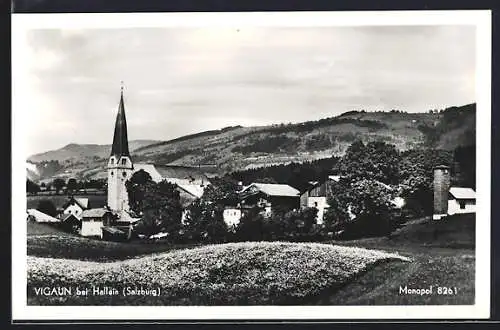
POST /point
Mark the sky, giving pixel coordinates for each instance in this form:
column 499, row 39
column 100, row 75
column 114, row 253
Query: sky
column 179, row 81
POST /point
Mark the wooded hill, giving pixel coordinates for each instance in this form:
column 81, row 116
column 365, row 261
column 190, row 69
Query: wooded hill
column 239, row 148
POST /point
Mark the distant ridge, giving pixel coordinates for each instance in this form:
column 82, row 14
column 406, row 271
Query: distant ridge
column 237, row 147
column 78, row 151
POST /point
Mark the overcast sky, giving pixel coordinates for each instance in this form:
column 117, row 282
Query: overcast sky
column 181, row 81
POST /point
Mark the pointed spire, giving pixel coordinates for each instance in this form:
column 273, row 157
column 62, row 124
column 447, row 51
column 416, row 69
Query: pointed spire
column 120, row 139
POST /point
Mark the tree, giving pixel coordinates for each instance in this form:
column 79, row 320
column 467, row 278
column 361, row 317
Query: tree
column 252, row 226
column 141, row 177
column 375, row 160
column 72, row 185
column 222, row 191
column 46, row 206
column 204, row 222
column 363, row 208
column 58, row 184
column 31, row 187
column 465, row 157
column 416, row 172
column 157, row 203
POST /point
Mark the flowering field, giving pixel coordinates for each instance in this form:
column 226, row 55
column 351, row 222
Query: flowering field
column 254, row 273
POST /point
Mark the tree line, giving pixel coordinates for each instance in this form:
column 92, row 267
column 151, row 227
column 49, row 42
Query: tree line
column 59, row 185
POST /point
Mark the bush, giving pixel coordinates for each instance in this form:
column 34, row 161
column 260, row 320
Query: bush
column 252, row 226
column 204, row 222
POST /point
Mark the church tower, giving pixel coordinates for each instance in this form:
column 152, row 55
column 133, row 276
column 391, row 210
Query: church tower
column 120, row 165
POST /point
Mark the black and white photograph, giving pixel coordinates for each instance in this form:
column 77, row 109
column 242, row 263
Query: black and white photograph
column 314, row 165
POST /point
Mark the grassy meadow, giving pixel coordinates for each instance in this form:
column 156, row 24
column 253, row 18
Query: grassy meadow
column 370, row 271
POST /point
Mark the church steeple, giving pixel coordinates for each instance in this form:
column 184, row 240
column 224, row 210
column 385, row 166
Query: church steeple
column 120, row 166
column 120, row 139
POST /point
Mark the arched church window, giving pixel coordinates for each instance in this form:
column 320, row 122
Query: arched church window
column 111, row 173
column 112, row 161
column 124, row 161
column 124, row 174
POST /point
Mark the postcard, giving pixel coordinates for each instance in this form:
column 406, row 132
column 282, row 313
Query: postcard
column 251, row 166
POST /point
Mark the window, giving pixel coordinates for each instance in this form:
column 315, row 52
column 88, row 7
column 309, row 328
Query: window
column 462, row 205
column 111, row 173
column 124, row 161
column 124, row 174
column 112, row 160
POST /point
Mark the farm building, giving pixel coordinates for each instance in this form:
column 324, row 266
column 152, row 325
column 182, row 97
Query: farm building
column 269, row 195
column 461, row 200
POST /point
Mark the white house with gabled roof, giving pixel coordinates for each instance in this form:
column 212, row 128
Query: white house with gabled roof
column 461, row 200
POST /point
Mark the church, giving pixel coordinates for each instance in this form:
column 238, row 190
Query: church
column 115, row 219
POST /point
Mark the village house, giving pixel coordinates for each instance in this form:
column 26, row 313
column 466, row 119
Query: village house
column 269, row 195
column 70, row 223
column 232, row 215
column 75, row 206
column 316, row 195
column 461, row 200
column 93, row 221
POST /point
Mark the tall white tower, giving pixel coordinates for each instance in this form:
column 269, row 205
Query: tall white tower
column 120, row 165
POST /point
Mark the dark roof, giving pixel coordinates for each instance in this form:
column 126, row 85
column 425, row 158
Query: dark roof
column 120, row 139
column 68, row 216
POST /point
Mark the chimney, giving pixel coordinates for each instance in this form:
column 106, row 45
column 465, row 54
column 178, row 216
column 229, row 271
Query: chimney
column 441, row 189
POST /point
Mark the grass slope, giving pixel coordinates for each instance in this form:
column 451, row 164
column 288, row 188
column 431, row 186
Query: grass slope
column 68, row 246
column 228, row 274
column 443, row 254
